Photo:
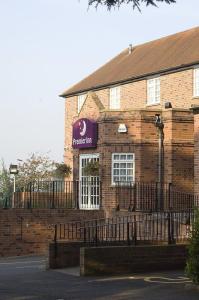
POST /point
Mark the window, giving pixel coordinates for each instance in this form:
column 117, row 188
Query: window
column 115, row 97
column 80, row 101
column 153, row 90
column 122, row 167
column 196, row 82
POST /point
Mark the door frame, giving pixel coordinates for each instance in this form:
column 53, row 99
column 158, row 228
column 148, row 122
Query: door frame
column 81, row 205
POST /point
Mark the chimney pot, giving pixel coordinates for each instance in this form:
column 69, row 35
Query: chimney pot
column 130, row 48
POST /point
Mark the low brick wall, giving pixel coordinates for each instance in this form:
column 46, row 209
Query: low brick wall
column 29, row 231
column 64, row 254
column 131, row 259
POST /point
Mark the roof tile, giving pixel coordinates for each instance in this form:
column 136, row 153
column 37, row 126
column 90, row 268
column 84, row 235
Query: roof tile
column 171, row 52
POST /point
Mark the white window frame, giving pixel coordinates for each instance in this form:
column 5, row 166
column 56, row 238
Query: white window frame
column 153, row 91
column 196, row 82
column 120, row 161
column 114, row 97
column 80, row 101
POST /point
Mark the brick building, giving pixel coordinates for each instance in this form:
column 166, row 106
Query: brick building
column 111, row 116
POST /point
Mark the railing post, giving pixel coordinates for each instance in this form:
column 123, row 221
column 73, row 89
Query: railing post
column 84, row 234
column 96, row 234
column 100, row 194
column 117, row 191
column 135, row 230
column 77, row 187
column 169, row 196
column 55, row 241
column 130, row 197
column 156, row 196
column 53, row 199
column 5, row 204
column 55, row 234
column 29, row 203
column 134, row 196
column 128, row 237
column 170, row 229
column 21, row 227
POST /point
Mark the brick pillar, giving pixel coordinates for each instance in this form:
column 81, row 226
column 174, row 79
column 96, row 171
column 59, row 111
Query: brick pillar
column 168, row 161
column 178, row 146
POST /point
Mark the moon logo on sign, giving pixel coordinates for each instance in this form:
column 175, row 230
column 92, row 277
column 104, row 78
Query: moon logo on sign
column 82, row 126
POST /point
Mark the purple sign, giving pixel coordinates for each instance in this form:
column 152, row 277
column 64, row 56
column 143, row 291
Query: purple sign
column 85, row 134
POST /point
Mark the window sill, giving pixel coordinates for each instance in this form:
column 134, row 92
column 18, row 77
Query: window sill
column 121, row 185
column 114, row 109
column 152, row 104
column 195, row 97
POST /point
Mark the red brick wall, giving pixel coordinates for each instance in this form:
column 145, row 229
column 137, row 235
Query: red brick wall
column 131, row 259
column 175, row 87
column 196, row 154
column 179, row 148
column 142, row 140
column 25, row 232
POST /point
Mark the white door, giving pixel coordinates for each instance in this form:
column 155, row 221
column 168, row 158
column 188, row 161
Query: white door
column 89, row 186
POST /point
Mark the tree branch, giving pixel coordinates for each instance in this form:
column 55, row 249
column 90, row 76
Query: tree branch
column 136, row 3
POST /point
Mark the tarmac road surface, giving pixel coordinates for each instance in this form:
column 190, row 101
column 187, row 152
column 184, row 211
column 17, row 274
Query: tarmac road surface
column 26, row 278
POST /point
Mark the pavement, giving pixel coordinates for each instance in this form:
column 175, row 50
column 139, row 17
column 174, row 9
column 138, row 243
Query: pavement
column 26, row 278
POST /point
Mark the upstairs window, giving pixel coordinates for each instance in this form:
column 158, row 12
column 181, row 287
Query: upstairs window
column 115, row 97
column 196, row 83
column 80, row 102
column 153, row 91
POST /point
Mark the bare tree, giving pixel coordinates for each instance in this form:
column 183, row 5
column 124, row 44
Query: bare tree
column 35, row 168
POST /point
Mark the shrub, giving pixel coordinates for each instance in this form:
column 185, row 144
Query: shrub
column 92, row 168
column 62, row 170
column 192, row 266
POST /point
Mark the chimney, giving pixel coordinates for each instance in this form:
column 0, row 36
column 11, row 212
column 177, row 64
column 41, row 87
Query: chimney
column 130, row 48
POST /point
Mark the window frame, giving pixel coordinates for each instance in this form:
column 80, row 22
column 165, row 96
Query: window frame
column 113, row 183
column 79, row 98
column 116, row 97
column 153, row 99
column 196, row 82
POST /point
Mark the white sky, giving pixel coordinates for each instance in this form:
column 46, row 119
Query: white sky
column 48, row 45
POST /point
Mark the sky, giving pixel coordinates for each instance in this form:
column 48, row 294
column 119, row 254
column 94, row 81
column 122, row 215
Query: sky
column 48, row 45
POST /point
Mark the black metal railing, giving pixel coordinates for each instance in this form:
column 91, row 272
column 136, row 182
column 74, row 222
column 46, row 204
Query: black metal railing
column 139, row 196
column 47, row 194
column 138, row 228
column 86, row 194
column 5, row 201
column 74, row 231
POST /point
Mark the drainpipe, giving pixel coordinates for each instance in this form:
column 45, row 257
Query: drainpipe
column 160, row 128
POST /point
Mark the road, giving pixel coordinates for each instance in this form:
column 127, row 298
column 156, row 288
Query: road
column 26, row 278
